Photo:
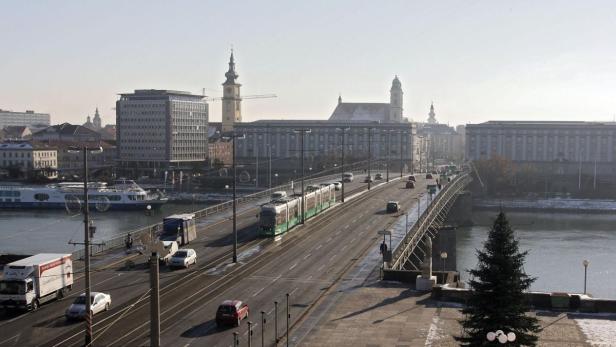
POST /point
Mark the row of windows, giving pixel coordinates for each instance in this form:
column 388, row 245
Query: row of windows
column 10, row 193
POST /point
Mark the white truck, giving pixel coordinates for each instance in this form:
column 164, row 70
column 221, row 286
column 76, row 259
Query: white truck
column 30, row 282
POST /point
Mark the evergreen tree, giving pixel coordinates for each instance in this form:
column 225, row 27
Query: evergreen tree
column 497, row 288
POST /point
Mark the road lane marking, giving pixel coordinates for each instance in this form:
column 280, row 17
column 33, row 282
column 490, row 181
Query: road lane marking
column 293, row 291
column 321, row 267
column 343, row 248
column 293, row 266
column 310, row 277
column 353, row 239
column 318, row 247
column 307, row 255
column 258, row 292
column 346, row 226
column 329, row 239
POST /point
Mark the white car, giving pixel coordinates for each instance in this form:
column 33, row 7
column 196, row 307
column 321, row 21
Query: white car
column 337, row 185
column 98, row 302
column 183, row 257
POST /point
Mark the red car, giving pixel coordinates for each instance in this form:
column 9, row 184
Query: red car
column 231, row 312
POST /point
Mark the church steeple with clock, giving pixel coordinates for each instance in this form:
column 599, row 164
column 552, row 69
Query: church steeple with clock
column 231, row 100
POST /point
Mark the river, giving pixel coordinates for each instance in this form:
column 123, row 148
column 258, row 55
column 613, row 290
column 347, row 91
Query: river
column 557, row 244
column 39, row 231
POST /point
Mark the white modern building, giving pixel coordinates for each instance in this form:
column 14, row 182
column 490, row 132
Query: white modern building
column 28, row 118
column 160, row 129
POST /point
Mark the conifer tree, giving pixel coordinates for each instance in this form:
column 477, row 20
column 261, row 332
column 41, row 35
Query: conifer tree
column 497, row 288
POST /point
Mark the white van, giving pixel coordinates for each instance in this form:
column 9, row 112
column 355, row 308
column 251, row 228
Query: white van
column 347, row 177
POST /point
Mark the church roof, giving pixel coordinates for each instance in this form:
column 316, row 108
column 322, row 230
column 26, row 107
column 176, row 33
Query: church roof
column 361, row 111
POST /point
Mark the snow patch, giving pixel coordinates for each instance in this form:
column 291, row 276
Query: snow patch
column 435, row 333
column 599, row 332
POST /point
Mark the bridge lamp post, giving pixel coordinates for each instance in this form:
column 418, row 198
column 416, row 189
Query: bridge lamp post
column 585, row 263
column 444, row 258
column 232, row 137
column 343, row 130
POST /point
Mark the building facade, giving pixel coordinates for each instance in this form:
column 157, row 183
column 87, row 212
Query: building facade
column 231, row 100
column 28, row 118
column 29, row 159
column 160, row 129
column 278, row 139
column 575, row 148
column 443, row 144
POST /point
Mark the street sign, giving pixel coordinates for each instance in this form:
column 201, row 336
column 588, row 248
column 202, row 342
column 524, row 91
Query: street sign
column 384, row 232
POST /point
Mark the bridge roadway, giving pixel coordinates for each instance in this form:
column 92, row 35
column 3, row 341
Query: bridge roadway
column 304, row 264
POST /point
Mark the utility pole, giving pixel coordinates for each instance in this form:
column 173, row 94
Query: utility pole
column 234, row 136
column 276, row 321
column 269, row 149
column 401, row 155
column 342, row 164
column 302, row 133
column 388, row 151
column 86, row 240
column 262, row 328
column 154, row 301
column 88, row 232
column 288, row 318
column 257, row 166
column 369, row 156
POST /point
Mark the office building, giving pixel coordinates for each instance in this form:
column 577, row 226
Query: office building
column 161, row 129
column 28, row 118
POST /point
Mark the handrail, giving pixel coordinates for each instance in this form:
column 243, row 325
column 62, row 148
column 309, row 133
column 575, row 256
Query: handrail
column 406, row 247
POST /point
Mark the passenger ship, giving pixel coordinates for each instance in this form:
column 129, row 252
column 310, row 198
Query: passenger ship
column 122, row 195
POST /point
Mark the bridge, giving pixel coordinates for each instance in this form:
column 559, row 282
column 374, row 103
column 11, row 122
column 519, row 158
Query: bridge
column 284, row 282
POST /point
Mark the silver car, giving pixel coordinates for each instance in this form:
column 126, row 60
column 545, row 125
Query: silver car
column 183, row 258
column 99, row 302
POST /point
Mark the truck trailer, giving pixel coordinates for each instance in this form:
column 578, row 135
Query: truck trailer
column 30, row 282
column 180, row 228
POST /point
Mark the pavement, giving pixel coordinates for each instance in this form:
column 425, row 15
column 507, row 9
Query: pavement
column 389, row 314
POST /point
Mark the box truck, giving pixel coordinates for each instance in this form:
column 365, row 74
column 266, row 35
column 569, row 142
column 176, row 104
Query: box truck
column 30, row 282
column 180, row 228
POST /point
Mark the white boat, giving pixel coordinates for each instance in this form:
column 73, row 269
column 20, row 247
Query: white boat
column 123, row 195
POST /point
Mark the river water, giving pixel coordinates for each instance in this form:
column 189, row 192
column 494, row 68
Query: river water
column 39, row 231
column 557, row 244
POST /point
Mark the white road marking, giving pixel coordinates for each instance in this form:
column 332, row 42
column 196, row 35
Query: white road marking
column 293, row 266
column 307, row 255
column 346, row 226
column 353, row 239
column 319, row 246
column 258, row 292
column 277, row 278
column 321, row 268
column 293, row 291
column 310, row 277
column 343, row 248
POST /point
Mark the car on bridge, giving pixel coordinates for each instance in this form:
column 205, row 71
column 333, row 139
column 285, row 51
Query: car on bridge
column 231, row 312
column 393, row 206
column 410, row 184
column 99, row 302
column 412, row 178
column 183, row 257
column 378, row 176
column 368, row 179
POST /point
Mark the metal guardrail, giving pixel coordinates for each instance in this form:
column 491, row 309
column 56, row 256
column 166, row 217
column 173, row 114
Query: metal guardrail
column 119, row 241
column 431, row 219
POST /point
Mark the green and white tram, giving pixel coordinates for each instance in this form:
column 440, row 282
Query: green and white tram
column 279, row 216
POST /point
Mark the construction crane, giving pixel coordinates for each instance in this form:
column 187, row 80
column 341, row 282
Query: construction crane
column 259, row 96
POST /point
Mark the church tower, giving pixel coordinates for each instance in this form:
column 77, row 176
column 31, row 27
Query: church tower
column 395, row 101
column 432, row 115
column 231, row 101
column 97, row 120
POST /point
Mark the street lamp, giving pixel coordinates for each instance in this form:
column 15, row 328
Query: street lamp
column 276, row 176
column 149, row 210
column 343, row 130
column 234, row 136
column 585, row 263
column 303, row 132
column 444, row 258
column 501, row 336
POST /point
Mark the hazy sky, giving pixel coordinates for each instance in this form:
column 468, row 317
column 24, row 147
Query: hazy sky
column 477, row 60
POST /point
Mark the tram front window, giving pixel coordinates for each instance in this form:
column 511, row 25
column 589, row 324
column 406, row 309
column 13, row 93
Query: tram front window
column 268, row 218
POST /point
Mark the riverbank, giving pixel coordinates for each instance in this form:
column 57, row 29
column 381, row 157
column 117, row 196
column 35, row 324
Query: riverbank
column 547, row 205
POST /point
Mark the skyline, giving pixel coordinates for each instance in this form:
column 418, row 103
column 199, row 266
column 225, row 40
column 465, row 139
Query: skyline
column 548, row 61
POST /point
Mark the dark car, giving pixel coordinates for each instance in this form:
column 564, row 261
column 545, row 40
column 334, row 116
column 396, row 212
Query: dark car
column 378, row 176
column 368, row 179
column 412, row 178
column 410, row 184
column 231, row 312
column 393, row 206
column 429, row 176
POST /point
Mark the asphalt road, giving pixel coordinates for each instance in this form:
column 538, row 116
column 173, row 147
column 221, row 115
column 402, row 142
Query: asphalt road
column 128, row 287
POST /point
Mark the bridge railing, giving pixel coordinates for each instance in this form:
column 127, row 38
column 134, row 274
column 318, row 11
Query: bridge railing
column 428, row 218
column 119, row 241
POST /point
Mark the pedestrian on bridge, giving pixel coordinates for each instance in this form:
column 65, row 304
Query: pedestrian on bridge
column 383, row 248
